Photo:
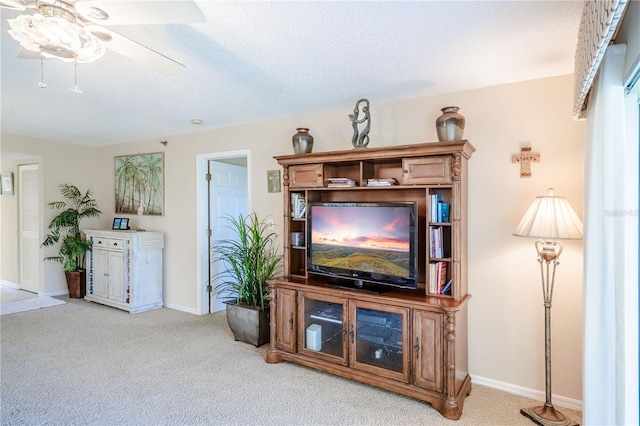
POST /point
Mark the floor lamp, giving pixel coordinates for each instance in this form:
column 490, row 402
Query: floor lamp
column 549, row 219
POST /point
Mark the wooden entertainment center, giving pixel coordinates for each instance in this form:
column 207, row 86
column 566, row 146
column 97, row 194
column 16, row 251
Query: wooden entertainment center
column 410, row 341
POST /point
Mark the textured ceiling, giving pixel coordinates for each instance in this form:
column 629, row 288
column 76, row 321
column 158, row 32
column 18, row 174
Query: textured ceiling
column 253, row 61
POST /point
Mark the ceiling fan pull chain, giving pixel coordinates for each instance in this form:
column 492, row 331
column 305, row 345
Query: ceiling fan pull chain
column 41, row 83
column 75, row 87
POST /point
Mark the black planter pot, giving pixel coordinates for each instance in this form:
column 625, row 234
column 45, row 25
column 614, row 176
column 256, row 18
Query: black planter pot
column 248, row 324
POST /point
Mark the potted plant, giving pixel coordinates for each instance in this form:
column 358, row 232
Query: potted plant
column 245, row 263
column 65, row 227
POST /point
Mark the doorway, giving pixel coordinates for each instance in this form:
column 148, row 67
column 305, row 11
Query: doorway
column 29, row 225
column 225, row 193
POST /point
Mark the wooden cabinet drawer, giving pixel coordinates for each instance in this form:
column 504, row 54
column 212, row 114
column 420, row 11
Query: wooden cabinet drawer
column 425, row 171
column 306, row 176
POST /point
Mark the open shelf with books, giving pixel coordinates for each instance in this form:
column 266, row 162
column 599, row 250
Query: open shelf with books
column 295, row 249
column 298, row 205
column 440, row 235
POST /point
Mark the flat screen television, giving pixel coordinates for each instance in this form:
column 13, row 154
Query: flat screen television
column 363, row 242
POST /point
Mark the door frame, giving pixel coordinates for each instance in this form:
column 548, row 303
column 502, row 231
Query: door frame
column 202, row 241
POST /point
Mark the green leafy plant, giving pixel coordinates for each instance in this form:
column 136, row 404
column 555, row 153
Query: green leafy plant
column 247, row 261
column 65, row 227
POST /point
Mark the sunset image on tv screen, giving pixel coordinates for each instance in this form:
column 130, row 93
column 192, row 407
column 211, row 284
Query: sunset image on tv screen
column 373, row 239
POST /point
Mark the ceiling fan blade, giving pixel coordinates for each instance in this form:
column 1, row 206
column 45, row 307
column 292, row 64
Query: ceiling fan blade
column 131, row 12
column 16, row 4
column 28, row 54
column 135, row 51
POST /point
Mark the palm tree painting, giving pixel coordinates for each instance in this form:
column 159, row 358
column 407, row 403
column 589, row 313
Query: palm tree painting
column 140, row 183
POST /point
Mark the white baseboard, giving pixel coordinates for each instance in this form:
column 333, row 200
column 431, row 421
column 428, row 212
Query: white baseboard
column 558, row 400
column 55, row 293
column 49, row 293
column 9, row 284
column 181, row 308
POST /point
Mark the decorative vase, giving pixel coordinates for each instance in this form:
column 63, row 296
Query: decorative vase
column 302, row 141
column 450, row 125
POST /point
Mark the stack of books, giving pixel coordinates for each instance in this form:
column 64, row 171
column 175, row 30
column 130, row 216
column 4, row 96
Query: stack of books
column 338, row 182
column 298, row 205
column 438, row 278
column 435, row 242
column 439, row 209
column 381, row 182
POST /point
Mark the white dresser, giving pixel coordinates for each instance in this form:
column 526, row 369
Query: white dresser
column 124, row 269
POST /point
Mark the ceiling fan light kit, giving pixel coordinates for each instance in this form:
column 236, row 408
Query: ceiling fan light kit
column 55, row 33
column 72, row 31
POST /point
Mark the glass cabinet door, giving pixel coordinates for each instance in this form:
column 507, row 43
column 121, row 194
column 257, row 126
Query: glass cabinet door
column 379, row 339
column 323, row 327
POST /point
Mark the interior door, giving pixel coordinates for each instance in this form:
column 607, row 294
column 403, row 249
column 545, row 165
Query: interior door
column 227, row 197
column 29, row 223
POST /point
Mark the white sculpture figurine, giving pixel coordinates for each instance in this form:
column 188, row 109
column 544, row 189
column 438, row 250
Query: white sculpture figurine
column 140, row 213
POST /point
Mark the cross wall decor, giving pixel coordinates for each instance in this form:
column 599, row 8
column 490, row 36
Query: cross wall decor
column 525, row 159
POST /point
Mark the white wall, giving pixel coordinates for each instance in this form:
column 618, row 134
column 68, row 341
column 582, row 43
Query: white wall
column 506, row 313
column 59, row 163
column 9, row 266
column 506, row 325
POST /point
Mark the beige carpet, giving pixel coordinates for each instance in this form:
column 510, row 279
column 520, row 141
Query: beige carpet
column 13, row 300
column 87, row 364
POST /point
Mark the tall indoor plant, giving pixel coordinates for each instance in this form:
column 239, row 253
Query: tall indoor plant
column 245, row 263
column 65, row 227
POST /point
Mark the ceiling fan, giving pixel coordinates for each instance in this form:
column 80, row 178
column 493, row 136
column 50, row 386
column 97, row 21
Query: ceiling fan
column 73, row 31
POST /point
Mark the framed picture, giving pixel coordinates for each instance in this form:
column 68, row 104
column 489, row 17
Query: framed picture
column 120, row 223
column 7, row 183
column 139, row 184
column 273, row 180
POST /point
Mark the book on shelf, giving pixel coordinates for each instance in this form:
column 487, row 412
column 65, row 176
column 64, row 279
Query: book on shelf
column 432, row 278
column 435, row 242
column 381, row 181
column 433, row 204
column 298, row 205
column 341, row 182
column 446, row 288
column 441, row 276
column 442, row 212
column 432, row 242
column 439, row 209
column 437, row 277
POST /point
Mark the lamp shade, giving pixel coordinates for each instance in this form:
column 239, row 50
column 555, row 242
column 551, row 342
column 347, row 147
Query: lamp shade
column 550, row 218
